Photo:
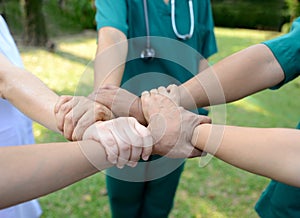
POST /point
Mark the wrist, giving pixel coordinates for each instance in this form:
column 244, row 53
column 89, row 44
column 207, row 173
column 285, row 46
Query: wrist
column 137, row 111
column 95, row 154
column 200, row 136
column 186, row 99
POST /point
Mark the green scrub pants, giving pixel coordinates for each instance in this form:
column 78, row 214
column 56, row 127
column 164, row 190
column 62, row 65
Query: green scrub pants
column 150, row 199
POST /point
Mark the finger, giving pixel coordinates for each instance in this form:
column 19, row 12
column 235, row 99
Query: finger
column 92, row 132
column 174, row 93
column 102, row 134
column 135, row 135
column 195, row 153
column 124, row 150
column 153, row 91
column 121, row 131
column 172, row 88
column 61, row 100
column 126, row 132
column 61, row 114
column 147, row 145
column 107, row 139
column 72, row 119
column 145, row 94
column 84, row 122
column 145, row 104
column 162, row 90
column 101, row 112
column 204, row 119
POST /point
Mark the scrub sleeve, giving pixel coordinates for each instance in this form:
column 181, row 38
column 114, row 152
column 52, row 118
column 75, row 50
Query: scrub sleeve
column 152, row 193
column 15, row 127
column 280, row 200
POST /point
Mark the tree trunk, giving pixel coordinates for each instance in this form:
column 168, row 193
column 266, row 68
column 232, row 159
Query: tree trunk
column 35, row 28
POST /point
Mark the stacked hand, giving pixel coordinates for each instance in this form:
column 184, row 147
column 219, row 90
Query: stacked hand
column 120, row 101
column 171, row 126
column 125, row 140
column 74, row 114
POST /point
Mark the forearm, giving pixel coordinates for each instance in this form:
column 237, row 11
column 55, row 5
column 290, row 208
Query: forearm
column 110, row 57
column 28, row 172
column 239, row 75
column 31, row 96
column 270, row 152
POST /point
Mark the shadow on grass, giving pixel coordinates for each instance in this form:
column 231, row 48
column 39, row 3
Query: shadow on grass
column 71, row 57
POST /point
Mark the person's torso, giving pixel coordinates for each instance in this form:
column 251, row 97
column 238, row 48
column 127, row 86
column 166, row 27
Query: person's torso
column 176, row 60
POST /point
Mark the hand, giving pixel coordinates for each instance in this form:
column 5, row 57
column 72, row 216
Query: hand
column 124, row 139
column 75, row 114
column 171, row 126
column 120, row 101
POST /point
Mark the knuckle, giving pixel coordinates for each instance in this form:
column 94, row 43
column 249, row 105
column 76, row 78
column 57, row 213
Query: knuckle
column 69, row 118
column 125, row 148
column 64, row 107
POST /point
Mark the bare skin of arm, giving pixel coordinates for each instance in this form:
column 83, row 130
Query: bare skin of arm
column 241, row 74
column 75, row 114
column 30, row 171
column 108, row 72
column 110, row 57
column 28, row 93
column 270, row 152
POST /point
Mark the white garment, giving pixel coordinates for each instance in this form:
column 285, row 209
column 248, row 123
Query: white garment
column 15, row 127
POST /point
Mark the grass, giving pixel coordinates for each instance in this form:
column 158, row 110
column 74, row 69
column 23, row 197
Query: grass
column 217, row 190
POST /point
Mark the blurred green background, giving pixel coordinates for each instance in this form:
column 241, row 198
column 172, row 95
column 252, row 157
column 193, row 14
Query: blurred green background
column 217, row 190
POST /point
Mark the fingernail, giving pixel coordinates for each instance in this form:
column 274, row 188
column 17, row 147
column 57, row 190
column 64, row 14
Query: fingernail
column 132, row 164
column 146, row 157
column 120, row 166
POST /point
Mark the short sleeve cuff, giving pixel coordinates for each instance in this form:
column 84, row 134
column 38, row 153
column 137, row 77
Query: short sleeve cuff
column 286, row 50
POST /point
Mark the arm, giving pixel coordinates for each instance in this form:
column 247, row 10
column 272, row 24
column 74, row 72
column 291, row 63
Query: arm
column 235, row 77
column 270, row 152
column 27, row 93
column 31, row 171
column 35, row 170
column 239, row 75
column 170, row 125
column 75, row 115
column 110, row 57
column 111, row 19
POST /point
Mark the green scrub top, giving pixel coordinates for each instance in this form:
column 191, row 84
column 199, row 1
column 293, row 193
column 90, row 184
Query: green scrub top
column 286, row 50
column 280, row 200
column 177, row 60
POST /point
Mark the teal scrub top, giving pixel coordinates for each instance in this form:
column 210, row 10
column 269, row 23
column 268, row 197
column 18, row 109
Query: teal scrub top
column 281, row 200
column 177, row 60
column 286, row 50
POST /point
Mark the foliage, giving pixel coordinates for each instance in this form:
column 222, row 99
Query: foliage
column 82, row 12
column 13, row 13
column 292, row 11
column 293, row 8
column 35, row 28
column 215, row 191
column 252, row 14
column 62, row 16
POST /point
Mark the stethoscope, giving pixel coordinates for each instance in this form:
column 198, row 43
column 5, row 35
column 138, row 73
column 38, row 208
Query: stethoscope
column 149, row 53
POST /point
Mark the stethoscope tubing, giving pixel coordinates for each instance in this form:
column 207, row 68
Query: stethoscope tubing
column 148, row 53
column 192, row 22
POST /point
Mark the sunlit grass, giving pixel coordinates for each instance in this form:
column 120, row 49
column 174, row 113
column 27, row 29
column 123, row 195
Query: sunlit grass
column 217, row 190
